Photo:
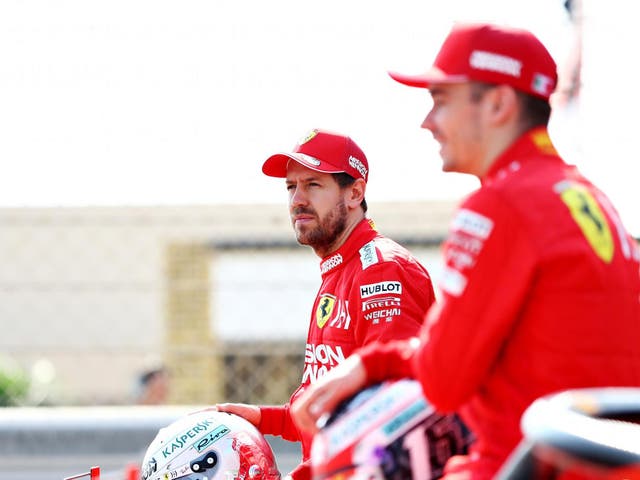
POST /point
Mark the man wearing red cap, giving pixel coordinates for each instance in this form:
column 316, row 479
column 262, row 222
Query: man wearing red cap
column 372, row 288
column 541, row 285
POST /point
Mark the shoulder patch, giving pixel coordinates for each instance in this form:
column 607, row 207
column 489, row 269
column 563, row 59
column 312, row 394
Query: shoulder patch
column 368, row 255
column 589, row 217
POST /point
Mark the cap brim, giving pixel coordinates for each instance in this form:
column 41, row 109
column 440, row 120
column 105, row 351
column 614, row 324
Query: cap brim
column 425, row 80
column 276, row 165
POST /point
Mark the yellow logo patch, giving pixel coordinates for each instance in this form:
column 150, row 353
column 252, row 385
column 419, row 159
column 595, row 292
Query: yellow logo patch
column 325, row 309
column 308, row 137
column 587, row 214
column 543, row 142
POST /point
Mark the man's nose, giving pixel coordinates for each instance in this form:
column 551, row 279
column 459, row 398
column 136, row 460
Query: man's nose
column 298, row 197
column 427, row 122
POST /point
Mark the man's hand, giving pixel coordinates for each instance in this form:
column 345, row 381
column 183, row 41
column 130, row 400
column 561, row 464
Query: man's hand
column 250, row 413
column 323, row 396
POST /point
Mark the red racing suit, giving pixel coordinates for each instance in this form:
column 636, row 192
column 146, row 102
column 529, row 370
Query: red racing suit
column 541, row 293
column 372, row 290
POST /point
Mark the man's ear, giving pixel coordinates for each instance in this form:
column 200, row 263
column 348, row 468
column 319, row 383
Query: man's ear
column 355, row 193
column 502, row 104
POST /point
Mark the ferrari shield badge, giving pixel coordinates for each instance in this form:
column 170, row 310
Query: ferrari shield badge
column 325, row 309
column 587, row 214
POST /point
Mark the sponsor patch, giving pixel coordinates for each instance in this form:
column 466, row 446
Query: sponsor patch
column 319, row 359
column 380, row 288
column 354, row 424
column 215, row 435
column 185, row 439
column 413, row 411
column 541, row 84
column 341, row 317
column 368, row 255
column 308, row 137
column 380, row 302
column 330, row 263
column 473, row 223
column 358, row 165
column 386, row 314
column 177, row 473
column 325, row 309
column 460, row 259
column 323, row 354
column 461, row 241
column 494, row 62
column 308, row 159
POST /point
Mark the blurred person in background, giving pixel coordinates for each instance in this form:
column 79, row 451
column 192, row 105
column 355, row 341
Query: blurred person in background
column 541, row 285
column 153, row 387
column 372, row 288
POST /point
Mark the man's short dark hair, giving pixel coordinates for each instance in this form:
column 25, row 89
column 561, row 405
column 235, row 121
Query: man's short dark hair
column 344, row 180
column 535, row 111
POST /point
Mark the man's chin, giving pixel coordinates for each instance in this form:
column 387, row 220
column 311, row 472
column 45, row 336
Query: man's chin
column 302, row 238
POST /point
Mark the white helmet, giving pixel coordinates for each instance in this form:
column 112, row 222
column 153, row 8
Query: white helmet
column 387, row 432
column 209, row 445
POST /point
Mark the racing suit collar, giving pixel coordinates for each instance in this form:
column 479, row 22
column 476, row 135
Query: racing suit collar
column 364, row 232
column 534, row 142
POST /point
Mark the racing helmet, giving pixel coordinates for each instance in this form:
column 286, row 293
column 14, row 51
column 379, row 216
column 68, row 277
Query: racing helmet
column 387, row 431
column 209, row 445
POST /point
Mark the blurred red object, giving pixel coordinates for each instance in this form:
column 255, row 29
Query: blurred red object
column 132, row 472
column 93, row 474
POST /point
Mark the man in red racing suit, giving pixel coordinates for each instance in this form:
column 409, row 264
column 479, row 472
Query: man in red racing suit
column 372, row 288
column 541, row 285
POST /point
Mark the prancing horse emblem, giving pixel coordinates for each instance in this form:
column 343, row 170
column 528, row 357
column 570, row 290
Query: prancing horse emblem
column 324, row 310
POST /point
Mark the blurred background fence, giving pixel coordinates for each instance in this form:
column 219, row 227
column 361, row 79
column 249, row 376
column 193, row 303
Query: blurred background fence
column 220, row 296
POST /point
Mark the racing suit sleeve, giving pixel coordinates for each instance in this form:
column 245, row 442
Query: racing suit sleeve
column 302, row 471
column 389, row 301
column 489, row 266
column 389, row 360
column 276, row 420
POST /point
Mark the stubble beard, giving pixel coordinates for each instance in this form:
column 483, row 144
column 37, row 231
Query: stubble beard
column 329, row 228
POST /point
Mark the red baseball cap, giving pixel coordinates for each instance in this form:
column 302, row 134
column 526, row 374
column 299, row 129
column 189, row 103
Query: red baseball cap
column 492, row 54
column 322, row 151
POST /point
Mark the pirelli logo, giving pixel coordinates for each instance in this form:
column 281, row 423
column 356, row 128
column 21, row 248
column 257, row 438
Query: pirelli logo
column 380, row 288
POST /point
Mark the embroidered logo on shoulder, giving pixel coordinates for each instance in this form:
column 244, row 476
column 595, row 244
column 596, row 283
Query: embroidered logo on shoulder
column 590, row 219
column 368, row 255
column 330, row 263
column 472, row 223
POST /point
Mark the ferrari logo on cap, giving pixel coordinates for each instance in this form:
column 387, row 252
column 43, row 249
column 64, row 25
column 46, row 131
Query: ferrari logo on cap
column 308, row 137
column 325, row 309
